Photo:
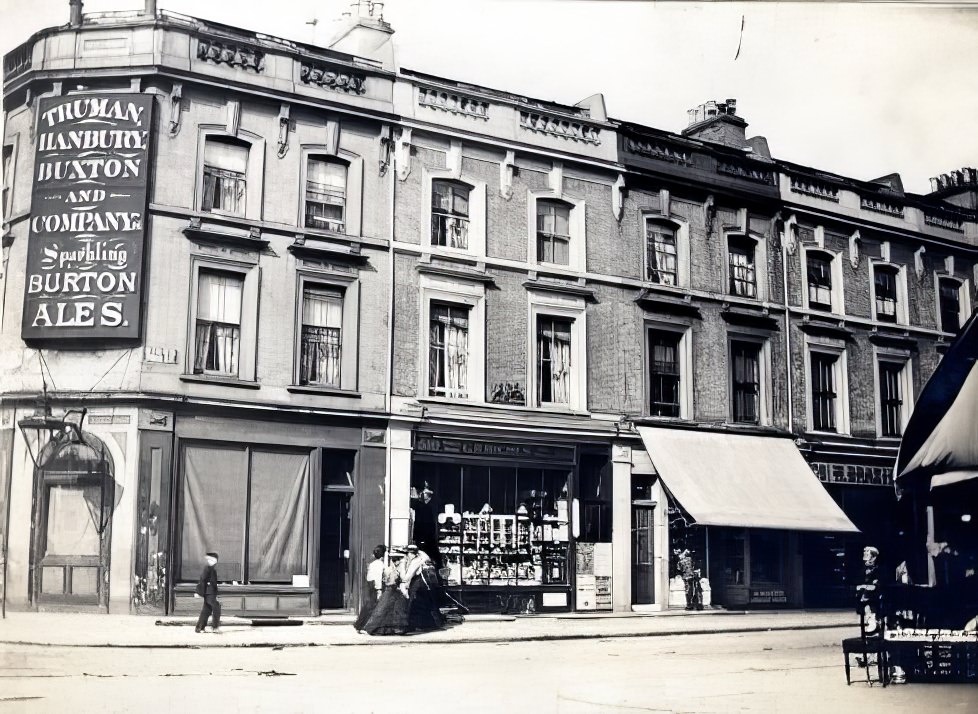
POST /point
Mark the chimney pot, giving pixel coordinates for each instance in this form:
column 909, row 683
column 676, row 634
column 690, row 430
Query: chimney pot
column 75, row 13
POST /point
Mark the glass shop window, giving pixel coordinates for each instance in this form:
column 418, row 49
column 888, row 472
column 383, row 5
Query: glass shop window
column 765, row 557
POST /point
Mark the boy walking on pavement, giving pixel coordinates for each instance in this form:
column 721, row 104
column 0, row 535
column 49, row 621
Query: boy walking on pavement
column 207, row 589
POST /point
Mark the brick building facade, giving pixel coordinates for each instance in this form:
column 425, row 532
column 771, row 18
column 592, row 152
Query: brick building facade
column 550, row 347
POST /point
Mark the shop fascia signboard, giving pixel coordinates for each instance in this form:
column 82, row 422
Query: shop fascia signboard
column 88, row 218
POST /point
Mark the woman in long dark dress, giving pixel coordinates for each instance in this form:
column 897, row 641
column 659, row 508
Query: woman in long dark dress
column 423, row 611
column 390, row 617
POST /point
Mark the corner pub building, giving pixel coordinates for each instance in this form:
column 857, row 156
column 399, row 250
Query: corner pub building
column 196, row 219
column 316, row 302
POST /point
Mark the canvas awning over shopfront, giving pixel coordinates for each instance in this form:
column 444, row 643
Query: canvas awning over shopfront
column 744, row 481
column 940, row 444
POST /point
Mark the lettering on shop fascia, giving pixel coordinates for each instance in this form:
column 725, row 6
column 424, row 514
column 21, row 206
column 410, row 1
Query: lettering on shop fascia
column 87, row 227
column 328, row 78
column 470, row 447
column 233, row 55
column 768, row 596
column 854, row 475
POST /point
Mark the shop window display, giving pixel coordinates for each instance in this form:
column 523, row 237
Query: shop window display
column 491, row 526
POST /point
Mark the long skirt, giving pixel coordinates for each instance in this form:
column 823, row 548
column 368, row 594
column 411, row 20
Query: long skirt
column 423, row 611
column 390, row 617
column 369, row 605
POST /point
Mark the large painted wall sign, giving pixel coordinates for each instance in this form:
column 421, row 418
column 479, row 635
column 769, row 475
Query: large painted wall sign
column 88, row 218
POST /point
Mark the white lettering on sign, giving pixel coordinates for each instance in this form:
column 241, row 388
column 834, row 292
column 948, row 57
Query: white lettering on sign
column 84, row 264
column 90, row 108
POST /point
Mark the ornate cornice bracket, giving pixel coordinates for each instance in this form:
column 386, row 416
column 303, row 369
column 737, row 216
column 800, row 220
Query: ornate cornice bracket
column 618, row 197
column 402, row 154
column 506, row 171
column 854, row 241
column 175, row 102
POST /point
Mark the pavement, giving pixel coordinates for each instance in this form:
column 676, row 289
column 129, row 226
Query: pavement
column 146, row 631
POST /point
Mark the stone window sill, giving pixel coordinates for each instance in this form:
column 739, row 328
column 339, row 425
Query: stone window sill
column 323, row 391
column 219, row 380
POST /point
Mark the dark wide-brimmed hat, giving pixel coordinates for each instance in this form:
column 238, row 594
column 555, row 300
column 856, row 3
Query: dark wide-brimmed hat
column 213, row 554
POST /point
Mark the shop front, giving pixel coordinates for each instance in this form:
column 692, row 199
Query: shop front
column 282, row 503
column 514, row 526
column 739, row 504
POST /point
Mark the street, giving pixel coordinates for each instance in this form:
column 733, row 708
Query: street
column 788, row 671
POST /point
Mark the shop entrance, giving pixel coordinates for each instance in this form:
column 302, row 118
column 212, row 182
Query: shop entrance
column 643, row 565
column 336, row 500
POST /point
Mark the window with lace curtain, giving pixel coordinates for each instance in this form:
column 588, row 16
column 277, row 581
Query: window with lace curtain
column 661, row 253
column 225, row 175
column 743, row 275
column 553, row 360
column 553, row 232
column 325, row 202
column 819, row 269
column 448, row 351
column 321, row 339
column 450, row 214
column 218, row 327
column 885, row 287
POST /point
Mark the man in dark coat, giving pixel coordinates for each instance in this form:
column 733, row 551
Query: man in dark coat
column 207, row 589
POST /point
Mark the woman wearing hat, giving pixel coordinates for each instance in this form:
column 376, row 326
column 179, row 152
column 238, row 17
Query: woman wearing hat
column 390, row 617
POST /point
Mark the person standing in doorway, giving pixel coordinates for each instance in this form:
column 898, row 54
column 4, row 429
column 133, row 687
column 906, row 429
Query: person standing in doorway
column 375, row 585
column 207, row 589
column 691, row 579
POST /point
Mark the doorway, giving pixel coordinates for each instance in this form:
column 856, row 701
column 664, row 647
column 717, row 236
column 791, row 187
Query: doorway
column 74, row 498
column 643, row 549
column 335, row 505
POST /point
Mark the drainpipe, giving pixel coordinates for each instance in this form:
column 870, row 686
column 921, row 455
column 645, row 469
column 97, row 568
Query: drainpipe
column 75, row 9
column 389, row 396
column 787, row 225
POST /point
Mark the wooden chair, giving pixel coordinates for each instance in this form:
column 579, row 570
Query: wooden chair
column 865, row 645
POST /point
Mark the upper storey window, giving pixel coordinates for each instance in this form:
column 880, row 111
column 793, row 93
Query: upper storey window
column 225, row 175
column 819, row 270
column 450, row 214
column 553, row 232
column 742, row 267
column 885, row 284
column 661, row 251
column 325, row 203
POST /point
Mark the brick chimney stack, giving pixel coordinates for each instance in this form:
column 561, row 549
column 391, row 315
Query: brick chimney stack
column 718, row 123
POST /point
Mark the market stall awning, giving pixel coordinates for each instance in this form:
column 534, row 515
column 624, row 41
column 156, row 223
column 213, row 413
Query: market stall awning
column 744, row 481
column 940, row 444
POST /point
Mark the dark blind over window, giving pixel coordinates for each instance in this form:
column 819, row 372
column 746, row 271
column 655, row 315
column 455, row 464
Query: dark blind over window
column 950, row 299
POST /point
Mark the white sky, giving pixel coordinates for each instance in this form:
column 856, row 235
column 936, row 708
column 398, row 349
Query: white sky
column 859, row 89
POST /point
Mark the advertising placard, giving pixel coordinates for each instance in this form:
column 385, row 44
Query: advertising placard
column 88, row 218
